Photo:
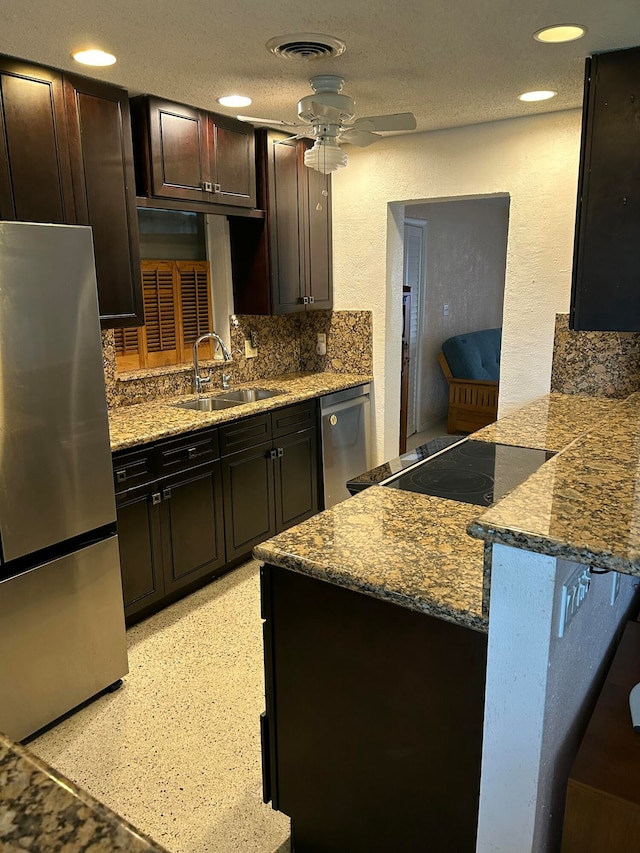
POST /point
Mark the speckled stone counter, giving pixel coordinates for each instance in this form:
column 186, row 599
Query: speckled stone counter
column 134, row 425
column 414, row 549
column 41, row 810
column 582, row 505
column 397, row 546
column 549, row 423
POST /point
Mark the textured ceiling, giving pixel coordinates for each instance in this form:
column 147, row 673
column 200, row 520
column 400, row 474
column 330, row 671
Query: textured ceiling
column 450, row 63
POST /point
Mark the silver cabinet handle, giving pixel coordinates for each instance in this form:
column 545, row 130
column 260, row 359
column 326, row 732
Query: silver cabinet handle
column 207, row 186
column 280, row 452
column 166, row 494
column 156, row 498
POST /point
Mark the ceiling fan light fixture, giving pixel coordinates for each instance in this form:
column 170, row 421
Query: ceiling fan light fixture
column 541, row 95
column 559, row 33
column 325, row 156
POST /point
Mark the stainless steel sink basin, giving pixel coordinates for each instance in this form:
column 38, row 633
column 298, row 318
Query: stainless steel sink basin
column 249, row 395
column 208, row 404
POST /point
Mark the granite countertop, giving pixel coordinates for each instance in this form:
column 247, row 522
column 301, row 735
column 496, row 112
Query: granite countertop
column 130, row 426
column 43, row 811
column 582, row 505
column 549, row 423
column 413, row 549
column 398, row 546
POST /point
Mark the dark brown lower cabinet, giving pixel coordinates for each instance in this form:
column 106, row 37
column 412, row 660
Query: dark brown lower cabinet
column 372, row 736
column 185, row 516
column 272, row 485
column 171, row 535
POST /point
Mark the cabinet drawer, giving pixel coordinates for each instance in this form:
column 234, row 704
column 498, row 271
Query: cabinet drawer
column 132, row 469
column 245, row 433
column 193, row 449
column 293, row 418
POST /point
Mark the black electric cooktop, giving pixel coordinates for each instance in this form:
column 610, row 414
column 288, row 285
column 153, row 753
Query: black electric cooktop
column 475, row 472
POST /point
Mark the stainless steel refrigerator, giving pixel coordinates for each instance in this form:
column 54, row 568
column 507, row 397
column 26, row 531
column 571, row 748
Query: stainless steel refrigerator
column 62, row 632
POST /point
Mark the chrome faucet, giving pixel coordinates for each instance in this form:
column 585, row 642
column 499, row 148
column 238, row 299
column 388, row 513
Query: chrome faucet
column 199, row 381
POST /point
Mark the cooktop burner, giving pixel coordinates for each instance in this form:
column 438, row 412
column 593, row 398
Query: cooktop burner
column 476, row 472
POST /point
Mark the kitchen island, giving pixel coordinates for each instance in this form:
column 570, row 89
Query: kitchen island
column 411, row 553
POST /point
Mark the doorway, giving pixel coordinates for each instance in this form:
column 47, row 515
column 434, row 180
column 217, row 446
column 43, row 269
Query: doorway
column 455, row 254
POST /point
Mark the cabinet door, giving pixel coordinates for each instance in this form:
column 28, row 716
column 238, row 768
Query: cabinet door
column 233, row 154
column 285, row 225
column 140, row 550
column 192, row 527
column 316, row 224
column 35, row 173
column 104, row 192
column 606, row 277
column 179, row 158
column 296, row 478
column 248, row 486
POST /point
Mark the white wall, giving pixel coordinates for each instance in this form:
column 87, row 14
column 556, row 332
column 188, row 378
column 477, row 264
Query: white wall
column 540, row 693
column 533, row 160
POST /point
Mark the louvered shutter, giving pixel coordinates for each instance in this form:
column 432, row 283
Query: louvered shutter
column 161, row 341
column 128, row 349
column 177, row 309
column 195, row 304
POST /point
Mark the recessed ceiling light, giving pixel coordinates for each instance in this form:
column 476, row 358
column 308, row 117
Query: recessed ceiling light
column 93, row 57
column 542, row 95
column 234, row 101
column 560, row 33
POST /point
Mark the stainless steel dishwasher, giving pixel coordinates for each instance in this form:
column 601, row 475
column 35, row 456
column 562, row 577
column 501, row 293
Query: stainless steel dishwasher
column 346, row 419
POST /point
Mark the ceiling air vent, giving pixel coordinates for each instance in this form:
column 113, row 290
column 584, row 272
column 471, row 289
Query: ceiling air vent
column 306, row 46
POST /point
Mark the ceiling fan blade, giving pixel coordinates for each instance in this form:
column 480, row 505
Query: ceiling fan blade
column 332, row 114
column 270, row 122
column 393, row 121
column 359, row 138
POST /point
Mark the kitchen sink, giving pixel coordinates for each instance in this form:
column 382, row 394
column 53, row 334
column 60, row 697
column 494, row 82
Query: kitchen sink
column 249, row 395
column 207, row 404
column 228, row 399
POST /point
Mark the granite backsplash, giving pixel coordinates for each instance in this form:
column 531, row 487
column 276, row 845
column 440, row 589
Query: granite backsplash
column 603, row 364
column 286, row 344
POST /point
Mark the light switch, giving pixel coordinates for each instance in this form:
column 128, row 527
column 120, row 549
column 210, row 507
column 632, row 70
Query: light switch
column 445, row 309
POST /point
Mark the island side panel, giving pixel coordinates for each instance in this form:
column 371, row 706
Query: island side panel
column 375, row 719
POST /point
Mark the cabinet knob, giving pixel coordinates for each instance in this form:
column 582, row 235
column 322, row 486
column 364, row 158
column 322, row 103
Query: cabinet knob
column 312, row 299
column 192, row 453
column 280, row 452
column 121, row 476
column 271, row 454
column 166, row 494
column 156, row 498
column 207, row 186
column 216, row 188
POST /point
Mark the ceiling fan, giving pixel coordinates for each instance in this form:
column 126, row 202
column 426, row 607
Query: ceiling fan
column 329, row 117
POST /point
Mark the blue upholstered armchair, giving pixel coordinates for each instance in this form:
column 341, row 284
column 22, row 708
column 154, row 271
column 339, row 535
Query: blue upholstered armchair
column 471, row 365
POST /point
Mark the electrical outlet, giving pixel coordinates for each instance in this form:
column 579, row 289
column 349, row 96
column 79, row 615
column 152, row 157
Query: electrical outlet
column 615, row 587
column 445, row 309
column 249, row 351
column 322, row 338
column 321, row 344
column 574, row 592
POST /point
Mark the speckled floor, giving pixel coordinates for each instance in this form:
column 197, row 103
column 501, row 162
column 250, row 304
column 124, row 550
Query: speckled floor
column 176, row 750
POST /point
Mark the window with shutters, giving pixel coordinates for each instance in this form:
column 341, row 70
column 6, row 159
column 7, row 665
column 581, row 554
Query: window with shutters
column 177, row 309
column 176, row 293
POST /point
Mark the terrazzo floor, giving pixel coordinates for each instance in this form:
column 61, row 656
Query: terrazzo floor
column 176, row 750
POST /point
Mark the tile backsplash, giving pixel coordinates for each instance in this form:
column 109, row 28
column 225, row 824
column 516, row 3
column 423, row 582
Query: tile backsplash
column 286, row 344
column 604, row 364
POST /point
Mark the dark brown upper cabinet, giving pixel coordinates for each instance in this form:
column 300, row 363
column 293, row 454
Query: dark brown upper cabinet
column 605, row 292
column 35, row 170
column 104, row 193
column 66, row 157
column 189, row 155
column 284, row 264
